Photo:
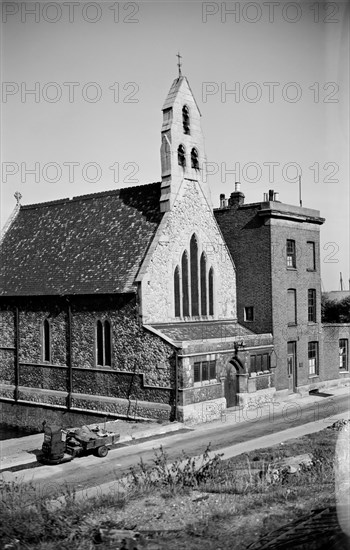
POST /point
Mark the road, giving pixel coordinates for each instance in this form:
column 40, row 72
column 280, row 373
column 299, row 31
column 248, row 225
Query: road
column 91, row 471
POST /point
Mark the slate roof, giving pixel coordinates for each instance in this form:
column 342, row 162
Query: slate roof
column 88, row 244
column 202, row 331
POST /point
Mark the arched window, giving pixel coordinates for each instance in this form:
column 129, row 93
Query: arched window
column 185, row 294
column 181, row 156
column 103, row 343
column 211, row 291
column 99, row 338
column 194, row 159
column 194, row 276
column 107, row 344
column 177, row 291
column 203, row 269
column 186, row 119
column 46, row 341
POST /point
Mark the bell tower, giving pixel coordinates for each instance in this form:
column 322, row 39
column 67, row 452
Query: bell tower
column 182, row 147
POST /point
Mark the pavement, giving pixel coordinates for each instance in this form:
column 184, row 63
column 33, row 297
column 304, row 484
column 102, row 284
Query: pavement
column 21, row 453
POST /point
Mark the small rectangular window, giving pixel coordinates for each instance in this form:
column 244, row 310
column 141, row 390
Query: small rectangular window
column 311, row 296
column 253, row 363
column 212, row 369
column 249, row 313
column 344, row 354
column 313, row 358
column 311, row 256
column 258, row 363
column 265, row 362
column 292, row 307
column 204, row 371
column 197, row 372
column 291, row 254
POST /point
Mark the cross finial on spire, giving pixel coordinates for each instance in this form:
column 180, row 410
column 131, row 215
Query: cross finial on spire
column 18, row 196
column 179, row 62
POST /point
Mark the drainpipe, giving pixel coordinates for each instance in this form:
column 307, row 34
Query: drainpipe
column 16, row 392
column 176, row 383
column 69, row 355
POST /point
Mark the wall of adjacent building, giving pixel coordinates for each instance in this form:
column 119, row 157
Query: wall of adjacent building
column 249, row 243
column 301, row 280
column 332, row 333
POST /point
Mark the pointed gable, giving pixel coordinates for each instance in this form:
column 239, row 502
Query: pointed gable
column 89, row 244
column 174, row 91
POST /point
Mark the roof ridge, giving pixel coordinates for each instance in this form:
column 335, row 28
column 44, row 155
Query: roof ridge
column 111, row 192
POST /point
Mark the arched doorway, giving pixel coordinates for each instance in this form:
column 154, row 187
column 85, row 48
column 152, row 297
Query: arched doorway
column 231, row 383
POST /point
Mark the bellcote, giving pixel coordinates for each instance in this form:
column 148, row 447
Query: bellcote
column 182, row 143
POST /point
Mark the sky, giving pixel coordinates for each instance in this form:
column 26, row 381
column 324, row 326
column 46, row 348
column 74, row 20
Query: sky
column 83, row 84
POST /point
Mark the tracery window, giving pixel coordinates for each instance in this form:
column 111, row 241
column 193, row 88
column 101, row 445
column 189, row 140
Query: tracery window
column 203, row 269
column 193, row 284
column 185, row 290
column 194, row 276
column 211, row 291
column 177, row 295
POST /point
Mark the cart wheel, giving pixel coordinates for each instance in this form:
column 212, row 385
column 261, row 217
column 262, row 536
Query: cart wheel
column 102, row 451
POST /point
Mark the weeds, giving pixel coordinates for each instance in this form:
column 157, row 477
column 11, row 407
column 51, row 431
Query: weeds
column 181, row 474
column 259, row 479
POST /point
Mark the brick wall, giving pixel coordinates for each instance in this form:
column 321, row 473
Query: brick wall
column 301, row 280
column 248, row 240
column 332, row 334
column 258, row 246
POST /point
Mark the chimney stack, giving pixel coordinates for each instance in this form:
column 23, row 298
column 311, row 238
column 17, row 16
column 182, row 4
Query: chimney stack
column 237, row 197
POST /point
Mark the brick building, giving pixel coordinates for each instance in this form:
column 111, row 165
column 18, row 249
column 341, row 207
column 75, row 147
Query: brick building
column 123, row 303
column 276, row 250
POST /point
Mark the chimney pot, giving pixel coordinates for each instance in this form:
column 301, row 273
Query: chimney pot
column 276, row 196
column 237, row 186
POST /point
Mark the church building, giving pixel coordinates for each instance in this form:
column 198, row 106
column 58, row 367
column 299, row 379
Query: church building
column 123, row 304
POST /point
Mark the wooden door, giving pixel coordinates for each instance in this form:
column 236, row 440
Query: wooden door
column 291, row 366
column 231, row 386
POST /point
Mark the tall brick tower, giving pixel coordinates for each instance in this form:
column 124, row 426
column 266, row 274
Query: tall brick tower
column 182, row 146
column 276, row 250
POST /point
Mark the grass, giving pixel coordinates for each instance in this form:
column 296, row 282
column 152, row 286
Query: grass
column 249, row 502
